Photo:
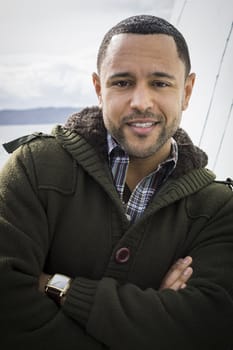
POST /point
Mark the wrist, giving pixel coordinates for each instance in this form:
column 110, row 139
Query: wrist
column 57, row 287
column 43, row 280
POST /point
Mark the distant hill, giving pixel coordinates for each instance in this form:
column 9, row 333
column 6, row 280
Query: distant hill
column 48, row 115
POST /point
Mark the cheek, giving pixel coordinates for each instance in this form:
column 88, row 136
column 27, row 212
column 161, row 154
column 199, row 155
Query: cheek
column 109, row 114
column 174, row 104
column 112, row 110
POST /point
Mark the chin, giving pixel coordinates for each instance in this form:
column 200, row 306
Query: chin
column 140, row 153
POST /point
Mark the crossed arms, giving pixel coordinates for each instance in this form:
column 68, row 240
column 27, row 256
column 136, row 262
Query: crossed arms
column 109, row 313
column 175, row 279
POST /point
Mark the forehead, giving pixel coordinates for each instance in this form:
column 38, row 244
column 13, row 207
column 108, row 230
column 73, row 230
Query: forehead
column 156, row 50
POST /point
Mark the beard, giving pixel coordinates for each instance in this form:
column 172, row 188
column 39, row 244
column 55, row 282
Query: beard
column 137, row 149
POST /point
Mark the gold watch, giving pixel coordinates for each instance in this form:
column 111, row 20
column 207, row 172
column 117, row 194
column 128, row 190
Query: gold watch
column 57, row 287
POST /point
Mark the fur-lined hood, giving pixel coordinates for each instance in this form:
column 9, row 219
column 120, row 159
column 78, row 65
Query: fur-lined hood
column 89, row 124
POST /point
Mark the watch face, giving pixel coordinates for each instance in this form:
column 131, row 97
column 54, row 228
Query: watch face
column 58, row 281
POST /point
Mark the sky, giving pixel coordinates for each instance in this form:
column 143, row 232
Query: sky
column 48, row 47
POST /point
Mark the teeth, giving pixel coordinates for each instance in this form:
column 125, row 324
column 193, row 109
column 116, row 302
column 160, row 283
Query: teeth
column 143, row 125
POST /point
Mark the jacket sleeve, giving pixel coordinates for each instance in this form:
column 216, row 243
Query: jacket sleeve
column 29, row 319
column 197, row 317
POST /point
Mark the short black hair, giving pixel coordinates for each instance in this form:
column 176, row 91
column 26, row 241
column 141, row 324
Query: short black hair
column 146, row 24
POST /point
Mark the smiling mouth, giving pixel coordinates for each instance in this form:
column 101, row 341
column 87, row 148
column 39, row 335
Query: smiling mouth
column 142, row 125
column 142, row 128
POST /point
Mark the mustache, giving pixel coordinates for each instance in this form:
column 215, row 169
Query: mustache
column 142, row 115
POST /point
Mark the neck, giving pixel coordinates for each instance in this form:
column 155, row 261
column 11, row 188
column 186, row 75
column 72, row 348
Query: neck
column 141, row 167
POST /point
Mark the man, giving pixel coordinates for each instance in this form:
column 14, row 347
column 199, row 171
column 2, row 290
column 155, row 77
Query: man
column 93, row 216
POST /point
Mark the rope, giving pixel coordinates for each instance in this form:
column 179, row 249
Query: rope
column 215, row 85
column 223, row 135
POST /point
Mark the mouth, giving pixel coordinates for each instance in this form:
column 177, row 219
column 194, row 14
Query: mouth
column 142, row 127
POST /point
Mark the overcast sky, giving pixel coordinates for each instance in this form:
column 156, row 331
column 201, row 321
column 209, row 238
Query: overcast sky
column 48, row 47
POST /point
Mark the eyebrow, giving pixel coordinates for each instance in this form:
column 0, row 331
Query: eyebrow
column 154, row 74
column 120, row 75
column 163, row 75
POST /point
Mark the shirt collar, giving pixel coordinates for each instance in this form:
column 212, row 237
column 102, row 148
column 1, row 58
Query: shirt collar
column 112, row 144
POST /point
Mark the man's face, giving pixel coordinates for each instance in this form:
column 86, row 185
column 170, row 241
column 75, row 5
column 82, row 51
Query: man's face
column 142, row 91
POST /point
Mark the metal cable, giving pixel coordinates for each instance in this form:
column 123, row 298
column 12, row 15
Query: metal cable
column 215, row 85
column 181, row 13
column 223, row 135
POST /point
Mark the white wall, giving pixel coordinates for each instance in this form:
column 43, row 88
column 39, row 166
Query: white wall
column 207, row 27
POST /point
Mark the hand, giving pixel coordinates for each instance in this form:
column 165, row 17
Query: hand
column 43, row 279
column 178, row 275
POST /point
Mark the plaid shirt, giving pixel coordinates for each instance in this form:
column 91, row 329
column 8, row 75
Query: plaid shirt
column 146, row 188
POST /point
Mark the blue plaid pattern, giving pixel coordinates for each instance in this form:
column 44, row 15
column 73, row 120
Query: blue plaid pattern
column 146, row 188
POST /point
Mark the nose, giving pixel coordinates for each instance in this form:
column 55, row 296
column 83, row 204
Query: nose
column 141, row 98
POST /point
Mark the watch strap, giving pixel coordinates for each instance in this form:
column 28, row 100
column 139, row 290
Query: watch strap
column 54, row 294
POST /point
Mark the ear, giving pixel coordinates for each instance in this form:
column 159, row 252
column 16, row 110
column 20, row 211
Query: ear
column 188, row 88
column 97, row 86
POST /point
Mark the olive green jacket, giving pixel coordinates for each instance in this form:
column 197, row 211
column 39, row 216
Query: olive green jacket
column 60, row 213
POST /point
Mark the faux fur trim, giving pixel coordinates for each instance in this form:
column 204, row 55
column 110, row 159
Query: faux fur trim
column 89, row 124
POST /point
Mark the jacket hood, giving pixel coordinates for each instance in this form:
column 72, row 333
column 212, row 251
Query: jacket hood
column 89, row 124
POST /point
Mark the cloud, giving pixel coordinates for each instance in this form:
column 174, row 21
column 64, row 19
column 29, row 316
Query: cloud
column 49, row 52
column 47, row 81
column 45, row 8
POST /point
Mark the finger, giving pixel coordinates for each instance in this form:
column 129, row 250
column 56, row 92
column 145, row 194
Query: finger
column 181, row 282
column 175, row 272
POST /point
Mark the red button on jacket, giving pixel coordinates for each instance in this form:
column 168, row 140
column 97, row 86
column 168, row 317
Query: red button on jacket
column 122, row 255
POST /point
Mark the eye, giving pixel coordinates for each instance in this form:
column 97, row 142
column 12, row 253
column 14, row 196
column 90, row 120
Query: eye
column 122, row 83
column 160, row 84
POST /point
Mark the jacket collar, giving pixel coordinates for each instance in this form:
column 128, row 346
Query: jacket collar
column 89, row 124
column 84, row 137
